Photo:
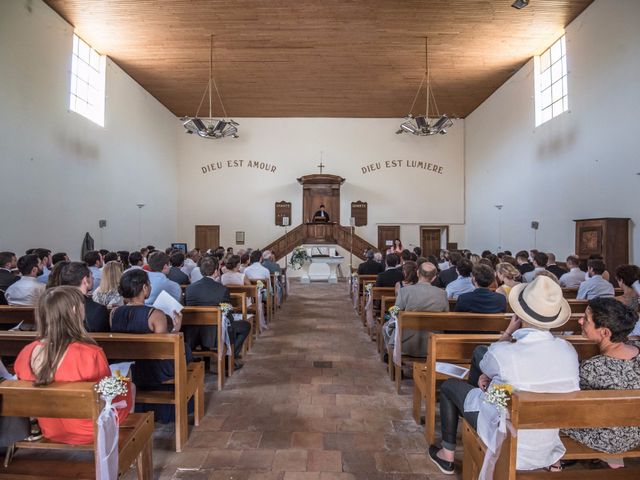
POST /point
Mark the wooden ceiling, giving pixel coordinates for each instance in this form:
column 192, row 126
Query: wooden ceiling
column 319, row 58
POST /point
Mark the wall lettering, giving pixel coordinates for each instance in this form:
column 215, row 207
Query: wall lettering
column 251, row 164
column 415, row 164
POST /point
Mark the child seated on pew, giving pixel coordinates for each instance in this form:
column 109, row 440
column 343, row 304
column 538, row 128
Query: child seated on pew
column 64, row 352
column 608, row 322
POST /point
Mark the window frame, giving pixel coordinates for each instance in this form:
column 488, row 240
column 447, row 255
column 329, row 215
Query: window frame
column 551, row 82
column 87, row 87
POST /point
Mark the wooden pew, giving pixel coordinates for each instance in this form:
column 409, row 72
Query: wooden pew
column 188, row 380
column 572, row 293
column 577, row 306
column 455, row 322
column 269, row 302
column 378, row 313
column 583, row 409
column 210, row 316
column 239, row 302
column 71, row 400
column 386, row 302
column 251, row 292
column 458, row 349
column 362, row 281
column 12, row 315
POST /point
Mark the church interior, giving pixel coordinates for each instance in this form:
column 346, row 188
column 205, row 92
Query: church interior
column 325, row 143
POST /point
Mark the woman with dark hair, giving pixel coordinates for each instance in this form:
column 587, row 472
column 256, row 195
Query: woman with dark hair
column 409, row 275
column 608, row 323
column 136, row 317
column 233, row 276
column 64, row 352
column 54, row 276
column 626, row 275
column 397, row 246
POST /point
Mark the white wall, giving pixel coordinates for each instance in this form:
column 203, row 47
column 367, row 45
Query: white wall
column 60, row 172
column 242, row 199
column 582, row 164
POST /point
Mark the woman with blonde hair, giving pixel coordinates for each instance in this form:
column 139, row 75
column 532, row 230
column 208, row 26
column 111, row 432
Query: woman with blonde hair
column 508, row 275
column 107, row 292
column 64, row 352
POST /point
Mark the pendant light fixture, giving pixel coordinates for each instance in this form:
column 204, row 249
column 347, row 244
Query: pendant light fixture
column 209, row 127
column 423, row 125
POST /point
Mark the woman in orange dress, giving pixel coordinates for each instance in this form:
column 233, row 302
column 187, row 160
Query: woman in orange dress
column 64, row 352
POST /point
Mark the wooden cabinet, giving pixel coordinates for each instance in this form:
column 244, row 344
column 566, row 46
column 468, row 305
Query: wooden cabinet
column 608, row 237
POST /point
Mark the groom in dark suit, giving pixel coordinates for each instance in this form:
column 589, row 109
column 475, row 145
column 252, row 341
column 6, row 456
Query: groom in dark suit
column 207, row 292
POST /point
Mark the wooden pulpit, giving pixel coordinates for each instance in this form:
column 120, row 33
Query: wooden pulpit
column 608, row 237
column 321, row 189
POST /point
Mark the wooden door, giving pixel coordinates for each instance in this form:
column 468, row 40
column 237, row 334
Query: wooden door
column 386, row 233
column 430, row 239
column 207, row 236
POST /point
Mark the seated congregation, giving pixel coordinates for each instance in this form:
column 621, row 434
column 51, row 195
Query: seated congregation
column 78, row 317
column 514, row 323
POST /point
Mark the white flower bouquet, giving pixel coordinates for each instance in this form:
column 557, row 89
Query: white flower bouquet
column 299, row 257
column 111, row 387
column 226, row 308
column 499, row 395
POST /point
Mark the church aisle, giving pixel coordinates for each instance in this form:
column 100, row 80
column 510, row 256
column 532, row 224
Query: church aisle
column 313, row 402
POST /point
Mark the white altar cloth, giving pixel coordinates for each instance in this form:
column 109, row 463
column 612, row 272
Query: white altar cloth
column 316, row 268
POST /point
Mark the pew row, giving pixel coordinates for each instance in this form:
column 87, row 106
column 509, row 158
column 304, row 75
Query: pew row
column 71, row 400
column 460, row 322
column 584, row 409
column 188, row 381
column 458, row 349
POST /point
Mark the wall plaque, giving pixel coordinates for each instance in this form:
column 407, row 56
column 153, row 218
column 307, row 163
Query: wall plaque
column 359, row 213
column 283, row 211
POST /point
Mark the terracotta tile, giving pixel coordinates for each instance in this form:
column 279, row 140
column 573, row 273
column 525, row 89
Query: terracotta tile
column 257, row 459
column 307, row 440
column 290, row 461
column 392, row 462
column 208, row 439
column 301, row 476
column 324, row 461
column 275, row 439
column 356, row 461
column 244, row 440
column 220, row 459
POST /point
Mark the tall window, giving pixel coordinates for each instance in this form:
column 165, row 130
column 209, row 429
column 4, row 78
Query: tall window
column 551, row 82
column 87, row 82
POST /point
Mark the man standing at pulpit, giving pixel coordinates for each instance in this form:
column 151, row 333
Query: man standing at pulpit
column 321, row 215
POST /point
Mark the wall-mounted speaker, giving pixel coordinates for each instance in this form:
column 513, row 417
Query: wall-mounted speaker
column 535, row 225
column 102, row 223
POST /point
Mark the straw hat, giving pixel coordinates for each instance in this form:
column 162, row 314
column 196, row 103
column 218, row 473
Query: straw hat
column 540, row 303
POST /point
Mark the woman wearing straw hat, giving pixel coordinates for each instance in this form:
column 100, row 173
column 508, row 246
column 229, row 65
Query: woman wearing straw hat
column 528, row 358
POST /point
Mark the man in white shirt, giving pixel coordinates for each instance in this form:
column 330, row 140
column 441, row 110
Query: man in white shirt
column 94, row 261
column 462, row 284
column 595, row 285
column 190, row 262
column 536, row 362
column 159, row 264
column 255, row 270
column 28, row 289
column 540, row 260
column 574, row 277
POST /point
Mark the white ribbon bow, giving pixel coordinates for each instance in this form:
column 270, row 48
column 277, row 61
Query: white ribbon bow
column 107, row 447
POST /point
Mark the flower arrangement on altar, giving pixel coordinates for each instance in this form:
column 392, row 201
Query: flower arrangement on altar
column 299, row 257
column 111, row 387
column 499, row 395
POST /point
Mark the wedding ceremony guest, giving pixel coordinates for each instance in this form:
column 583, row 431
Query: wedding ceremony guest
column 378, row 258
column 462, row 284
column 421, row 297
column 159, row 267
column 135, row 316
column 44, row 255
column 190, row 262
column 552, row 267
column 107, row 293
column 540, row 260
column 370, row 266
column 597, row 256
column 245, row 259
column 175, row 272
column 608, row 323
column 64, row 352
column 233, row 276
column 508, row 276
column 54, row 276
column 536, row 362
column 482, row 299
column 27, row 289
column 595, row 285
column 255, row 271
column 445, row 277
column 626, row 275
column 268, row 262
column 574, row 277
column 124, row 259
column 59, row 257
column 94, row 261
column 207, row 292
column 417, row 251
column 78, row 275
column 8, row 262
column 392, row 274
column 522, row 259
column 409, row 275
column 135, row 260
column 397, row 246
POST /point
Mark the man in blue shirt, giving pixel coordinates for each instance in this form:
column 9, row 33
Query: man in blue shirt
column 595, row 285
column 94, row 261
column 482, row 300
column 159, row 265
column 463, row 283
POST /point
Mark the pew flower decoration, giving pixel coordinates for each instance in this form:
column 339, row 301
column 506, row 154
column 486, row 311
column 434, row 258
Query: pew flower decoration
column 393, row 311
column 226, row 308
column 499, row 395
column 260, row 284
column 368, row 287
column 111, row 387
column 299, row 257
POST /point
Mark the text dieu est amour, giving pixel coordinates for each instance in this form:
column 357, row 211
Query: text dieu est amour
column 432, row 167
column 214, row 166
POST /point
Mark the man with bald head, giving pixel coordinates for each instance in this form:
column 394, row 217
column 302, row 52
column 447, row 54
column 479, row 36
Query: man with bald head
column 421, row 297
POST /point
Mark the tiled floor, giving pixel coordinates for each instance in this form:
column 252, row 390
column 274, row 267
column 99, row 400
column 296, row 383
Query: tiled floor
column 313, row 402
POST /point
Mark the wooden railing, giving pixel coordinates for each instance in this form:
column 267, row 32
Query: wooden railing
column 310, row 233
